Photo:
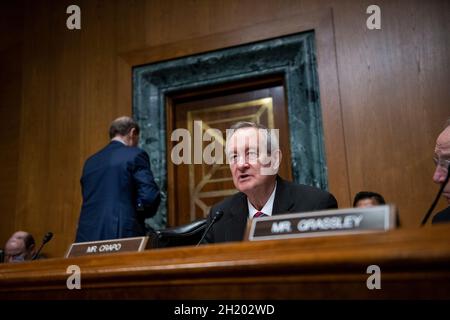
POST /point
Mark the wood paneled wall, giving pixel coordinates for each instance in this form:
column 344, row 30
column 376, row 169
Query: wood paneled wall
column 11, row 28
column 60, row 89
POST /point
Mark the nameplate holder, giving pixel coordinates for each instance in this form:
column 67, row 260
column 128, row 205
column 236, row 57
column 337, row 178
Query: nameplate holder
column 135, row 244
column 323, row 223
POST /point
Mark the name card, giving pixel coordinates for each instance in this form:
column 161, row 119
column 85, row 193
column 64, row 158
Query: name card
column 107, row 246
column 323, row 223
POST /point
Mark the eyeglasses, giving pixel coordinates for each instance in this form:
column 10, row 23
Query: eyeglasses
column 249, row 157
column 441, row 162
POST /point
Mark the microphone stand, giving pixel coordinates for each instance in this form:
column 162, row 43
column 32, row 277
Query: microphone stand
column 217, row 216
column 46, row 239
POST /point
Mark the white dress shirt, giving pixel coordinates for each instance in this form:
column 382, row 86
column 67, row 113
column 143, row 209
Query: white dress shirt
column 267, row 209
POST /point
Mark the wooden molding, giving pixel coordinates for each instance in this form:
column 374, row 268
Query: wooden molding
column 414, row 264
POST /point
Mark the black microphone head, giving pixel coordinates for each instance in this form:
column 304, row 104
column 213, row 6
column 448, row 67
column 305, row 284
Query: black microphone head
column 218, row 214
column 47, row 237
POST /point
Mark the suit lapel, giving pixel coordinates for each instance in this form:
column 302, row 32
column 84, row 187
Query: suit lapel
column 238, row 218
column 283, row 202
column 237, row 222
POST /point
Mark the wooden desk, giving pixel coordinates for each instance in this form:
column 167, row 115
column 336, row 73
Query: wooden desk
column 414, row 263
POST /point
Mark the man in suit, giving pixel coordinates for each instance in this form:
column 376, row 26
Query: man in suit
column 118, row 188
column 442, row 161
column 254, row 158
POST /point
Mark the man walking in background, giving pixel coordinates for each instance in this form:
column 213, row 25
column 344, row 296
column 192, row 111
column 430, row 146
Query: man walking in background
column 118, row 188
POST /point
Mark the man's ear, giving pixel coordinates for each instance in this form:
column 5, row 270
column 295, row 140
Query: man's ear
column 276, row 160
column 130, row 137
column 274, row 165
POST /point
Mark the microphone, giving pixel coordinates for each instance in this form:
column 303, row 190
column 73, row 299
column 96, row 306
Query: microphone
column 433, row 205
column 216, row 216
column 48, row 236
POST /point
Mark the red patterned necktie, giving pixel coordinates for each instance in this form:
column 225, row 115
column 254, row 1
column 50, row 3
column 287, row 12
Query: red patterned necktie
column 259, row 214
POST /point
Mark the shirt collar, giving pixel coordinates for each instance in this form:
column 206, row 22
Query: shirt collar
column 267, row 209
column 118, row 140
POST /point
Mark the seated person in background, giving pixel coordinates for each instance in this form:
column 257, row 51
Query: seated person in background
column 19, row 247
column 262, row 191
column 365, row 199
column 442, row 161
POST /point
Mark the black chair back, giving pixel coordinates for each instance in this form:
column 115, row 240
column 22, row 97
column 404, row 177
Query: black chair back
column 184, row 235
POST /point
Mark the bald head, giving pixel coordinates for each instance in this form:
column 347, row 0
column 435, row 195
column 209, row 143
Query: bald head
column 442, row 158
column 122, row 126
column 19, row 247
column 125, row 129
column 443, row 142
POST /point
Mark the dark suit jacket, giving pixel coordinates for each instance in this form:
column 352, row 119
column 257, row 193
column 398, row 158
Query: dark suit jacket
column 289, row 197
column 442, row 216
column 119, row 192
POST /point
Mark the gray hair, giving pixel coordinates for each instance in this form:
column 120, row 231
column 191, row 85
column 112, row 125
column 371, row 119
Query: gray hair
column 272, row 142
column 122, row 126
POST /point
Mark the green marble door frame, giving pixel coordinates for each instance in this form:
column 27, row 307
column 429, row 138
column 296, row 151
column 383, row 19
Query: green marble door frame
column 292, row 56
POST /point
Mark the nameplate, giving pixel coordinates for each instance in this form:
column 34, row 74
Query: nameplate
column 107, row 246
column 323, row 223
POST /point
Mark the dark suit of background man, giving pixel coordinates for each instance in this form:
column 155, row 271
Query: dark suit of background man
column 262, row 191
column 442, row 161
column 118, row 188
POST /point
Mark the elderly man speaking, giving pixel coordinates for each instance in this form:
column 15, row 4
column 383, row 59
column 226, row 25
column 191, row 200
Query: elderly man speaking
column 262, row 191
